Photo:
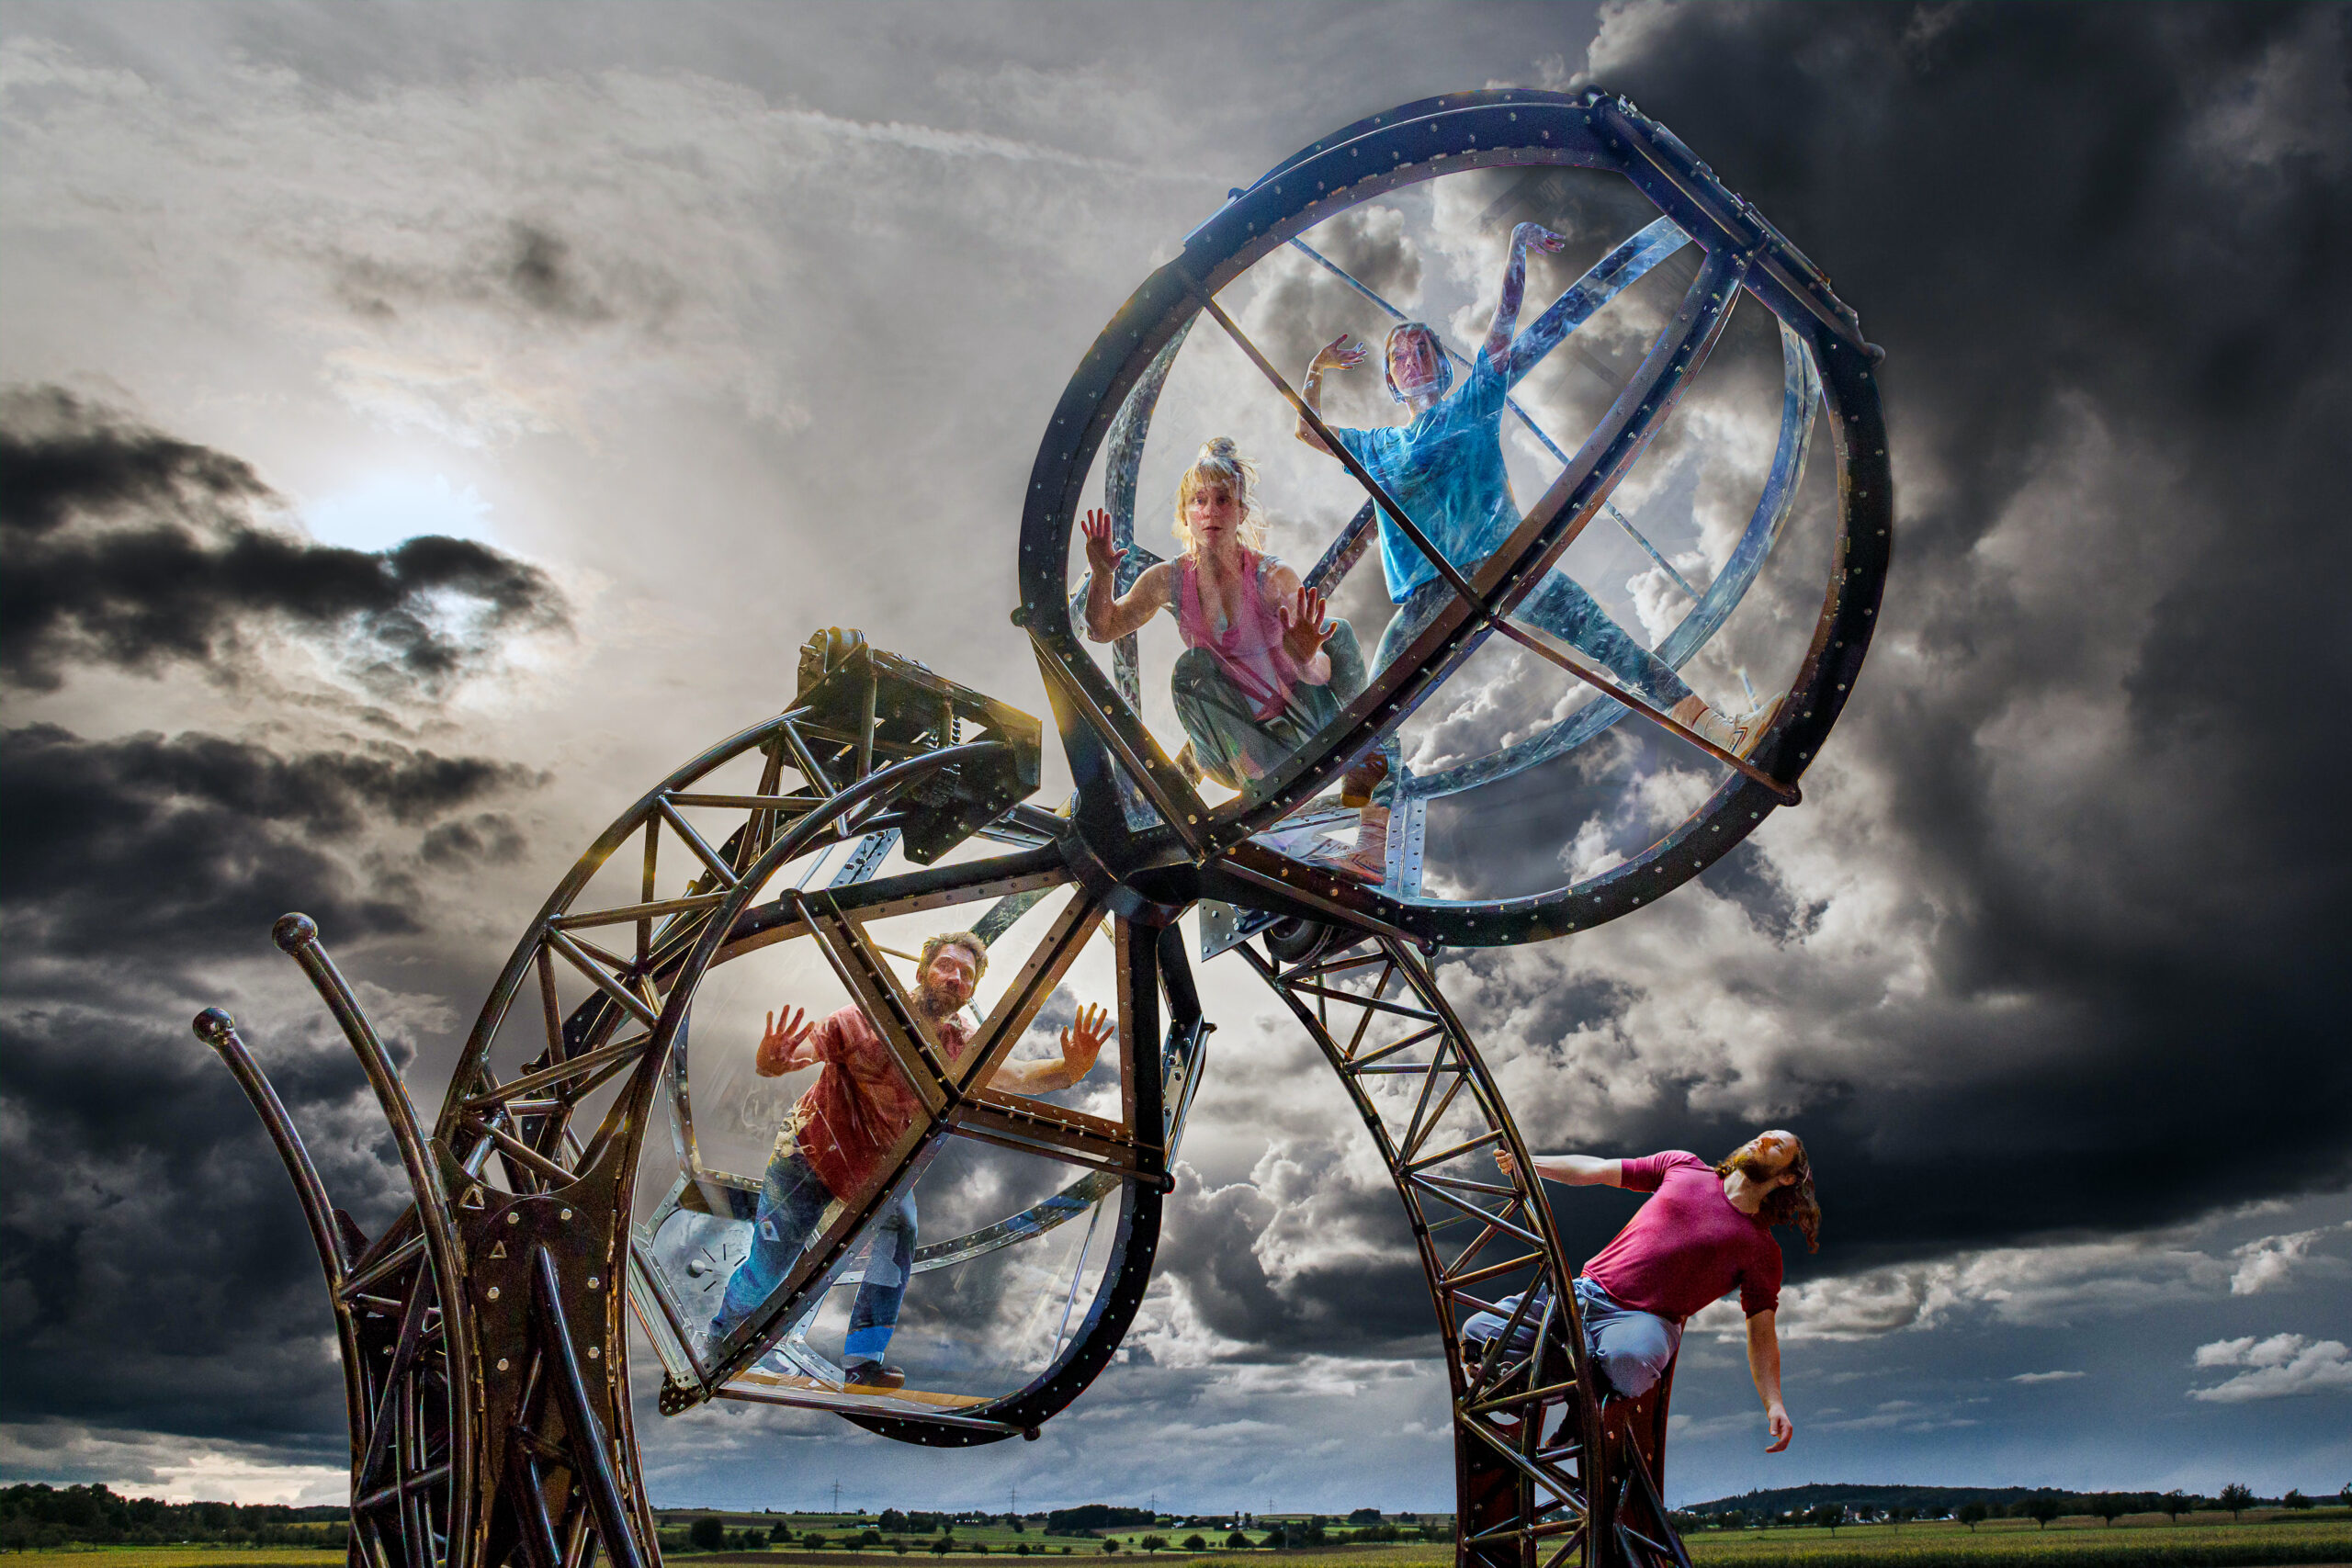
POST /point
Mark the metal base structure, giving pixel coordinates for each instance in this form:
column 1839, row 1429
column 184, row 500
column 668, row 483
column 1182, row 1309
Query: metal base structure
column 484, row 1334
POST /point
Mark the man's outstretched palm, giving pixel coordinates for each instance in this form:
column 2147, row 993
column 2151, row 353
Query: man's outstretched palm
column 1083, row 1041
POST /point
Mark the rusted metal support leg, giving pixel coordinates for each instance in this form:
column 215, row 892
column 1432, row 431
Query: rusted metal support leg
column 591, row 1448
column 218, row 1030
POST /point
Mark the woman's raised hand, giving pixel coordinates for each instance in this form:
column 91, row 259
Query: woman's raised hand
column 1343, row 353
column 1101, row 558
column 1305, row 631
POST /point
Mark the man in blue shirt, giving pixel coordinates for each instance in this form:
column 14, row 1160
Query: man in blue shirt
column 1446, row 469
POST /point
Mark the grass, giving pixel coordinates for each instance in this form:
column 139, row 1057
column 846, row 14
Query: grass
column 2150, row 1541
column 2213, row 1540
column 202, row 1556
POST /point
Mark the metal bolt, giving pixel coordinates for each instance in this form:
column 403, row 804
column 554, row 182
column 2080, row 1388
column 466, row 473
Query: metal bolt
column 501, row 1363
column 594, row 1354
column 493, row 1293
column 513, row 1217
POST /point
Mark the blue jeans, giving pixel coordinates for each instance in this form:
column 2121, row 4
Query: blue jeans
column 1631, row 1348
column 1560, row 606
column 793, row 1199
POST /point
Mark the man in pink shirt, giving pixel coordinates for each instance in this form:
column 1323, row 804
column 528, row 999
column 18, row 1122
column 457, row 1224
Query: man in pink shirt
column 1706, row 1233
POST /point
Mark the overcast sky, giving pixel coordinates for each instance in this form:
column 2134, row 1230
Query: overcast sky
column 683, row 331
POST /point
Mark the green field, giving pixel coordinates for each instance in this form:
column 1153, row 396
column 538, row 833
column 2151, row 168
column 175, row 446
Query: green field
column 2211, row 1541
column 181, row 1557
column 2147, row 1541
column 2204, row 1540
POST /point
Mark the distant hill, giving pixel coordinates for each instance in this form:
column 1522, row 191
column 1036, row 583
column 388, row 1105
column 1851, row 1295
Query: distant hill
column 1930, row 1500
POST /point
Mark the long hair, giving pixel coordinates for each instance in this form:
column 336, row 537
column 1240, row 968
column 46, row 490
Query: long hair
column 1220, row 461
column 1444, row 360
column 1796, row 1204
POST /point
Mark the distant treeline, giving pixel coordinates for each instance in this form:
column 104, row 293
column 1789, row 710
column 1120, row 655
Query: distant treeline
column 35, row 1515
column 1793, row 1503
column 1115, row 1528
column 1095, row 1516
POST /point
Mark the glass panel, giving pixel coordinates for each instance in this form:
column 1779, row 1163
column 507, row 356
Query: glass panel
column 1000, row 1254
column 794, row 1118
column 1675, row 594
column 768, row 1164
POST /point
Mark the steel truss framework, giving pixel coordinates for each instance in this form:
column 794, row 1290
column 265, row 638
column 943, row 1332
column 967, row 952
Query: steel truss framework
column 484, row 1333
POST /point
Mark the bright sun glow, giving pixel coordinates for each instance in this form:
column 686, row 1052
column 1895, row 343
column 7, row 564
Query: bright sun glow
column 383, row 511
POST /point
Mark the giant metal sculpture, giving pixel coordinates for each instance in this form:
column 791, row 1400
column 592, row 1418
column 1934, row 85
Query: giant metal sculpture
column 484, row 1333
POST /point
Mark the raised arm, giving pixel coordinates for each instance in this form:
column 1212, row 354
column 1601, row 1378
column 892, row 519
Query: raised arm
column 1082, row 1043
column 1506, row 323
column 787, row 1048
column 1569, row 1171
column 1110, row 615
column 1341, row 352
column 1764, row 1365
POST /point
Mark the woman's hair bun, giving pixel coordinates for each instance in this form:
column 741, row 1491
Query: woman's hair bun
column 1219, row 449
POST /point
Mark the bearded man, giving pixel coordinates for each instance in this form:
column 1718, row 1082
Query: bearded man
column 832, row 1145
column 1705, row 1232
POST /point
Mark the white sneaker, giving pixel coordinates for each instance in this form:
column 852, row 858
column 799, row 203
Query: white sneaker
column 1756, row 726
column 1737, row 736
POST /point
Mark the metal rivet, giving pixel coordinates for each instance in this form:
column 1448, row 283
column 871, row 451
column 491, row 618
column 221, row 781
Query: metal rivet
column 594, row 1354
column 493, row 1293
column 563, row 1214
column 594, row 1282
column 513, row 1217
column 501, row 1363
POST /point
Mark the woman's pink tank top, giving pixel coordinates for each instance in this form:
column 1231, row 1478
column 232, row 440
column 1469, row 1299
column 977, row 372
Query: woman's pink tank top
column 1250, row 650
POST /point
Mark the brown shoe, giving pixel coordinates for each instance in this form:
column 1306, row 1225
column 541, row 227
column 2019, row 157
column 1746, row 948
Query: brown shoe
column 1358, row 782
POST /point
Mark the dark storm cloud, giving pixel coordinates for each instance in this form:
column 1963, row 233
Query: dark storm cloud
column 153, row 1273
column 1365, row 1297
column 531, row 270
column 196, row 842
column 121, row 546
column 2104, row 248
column 490, row 836
column 1299, row 309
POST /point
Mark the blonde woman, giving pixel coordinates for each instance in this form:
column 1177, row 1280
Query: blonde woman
column 1261, row 669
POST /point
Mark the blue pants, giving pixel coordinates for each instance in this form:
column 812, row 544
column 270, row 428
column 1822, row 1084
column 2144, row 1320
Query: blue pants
column 1560, row 606
column 1631, row 1348
column 793, row 1199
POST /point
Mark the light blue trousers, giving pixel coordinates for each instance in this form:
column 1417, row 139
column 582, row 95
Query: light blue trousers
column 1560, row 606
column 1631, row 1348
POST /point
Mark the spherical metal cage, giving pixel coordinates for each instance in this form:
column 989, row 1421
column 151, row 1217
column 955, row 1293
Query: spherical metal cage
column 1420, row 141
